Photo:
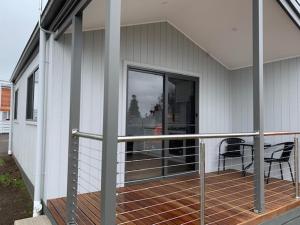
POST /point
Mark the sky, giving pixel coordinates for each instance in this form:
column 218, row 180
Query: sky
column 17, row 20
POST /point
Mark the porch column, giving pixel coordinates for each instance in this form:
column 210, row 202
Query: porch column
column 110, row 114
column 258, row 105
column 74, row 113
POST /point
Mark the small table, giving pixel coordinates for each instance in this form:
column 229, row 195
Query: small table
column 251, row 145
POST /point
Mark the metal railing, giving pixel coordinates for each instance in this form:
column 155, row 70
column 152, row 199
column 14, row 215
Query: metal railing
column 201, row 165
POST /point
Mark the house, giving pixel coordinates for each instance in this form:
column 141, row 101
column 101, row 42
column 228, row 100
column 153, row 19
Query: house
column 5, row 99
column 176, row 79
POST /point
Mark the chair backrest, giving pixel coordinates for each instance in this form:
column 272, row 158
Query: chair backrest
column 233, row 144
column 286, row 151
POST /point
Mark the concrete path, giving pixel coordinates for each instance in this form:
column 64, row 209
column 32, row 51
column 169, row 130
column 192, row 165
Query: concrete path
column 3, row 144
column 40, row 220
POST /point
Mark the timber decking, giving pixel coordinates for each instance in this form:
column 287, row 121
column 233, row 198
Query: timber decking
column 229, row 201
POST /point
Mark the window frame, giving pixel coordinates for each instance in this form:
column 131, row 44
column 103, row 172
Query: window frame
column 16, row 103
column 30, row 97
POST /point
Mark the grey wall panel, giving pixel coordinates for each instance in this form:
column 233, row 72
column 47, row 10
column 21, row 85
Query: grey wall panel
column 24, row 132
column 281, row 86
column 154, row 45
column 281, row 93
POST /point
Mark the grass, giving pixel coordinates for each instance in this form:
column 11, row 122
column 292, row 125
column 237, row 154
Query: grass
column 2, row 162
column 15, row 201
column 8, row 180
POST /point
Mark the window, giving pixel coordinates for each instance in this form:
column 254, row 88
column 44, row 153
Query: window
column 31, row 106
column 16, row 104
column 5, row 116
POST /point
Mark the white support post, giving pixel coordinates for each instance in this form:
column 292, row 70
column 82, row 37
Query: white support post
column 11, row 118
column 37, row 204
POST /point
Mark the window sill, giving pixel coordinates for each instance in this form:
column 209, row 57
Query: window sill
column 16, row 122
column 31, row 123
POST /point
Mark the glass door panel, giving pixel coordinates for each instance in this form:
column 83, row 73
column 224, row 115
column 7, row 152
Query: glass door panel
column 144, row 117
column 181, row 119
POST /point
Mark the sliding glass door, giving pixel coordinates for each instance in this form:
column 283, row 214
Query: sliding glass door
column 159, row 103
column 181, row 119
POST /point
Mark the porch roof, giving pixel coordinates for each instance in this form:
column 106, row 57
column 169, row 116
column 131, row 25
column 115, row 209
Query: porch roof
column 221, row 28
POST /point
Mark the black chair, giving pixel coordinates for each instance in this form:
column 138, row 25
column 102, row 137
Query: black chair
column 232, row 150
column 286, row 150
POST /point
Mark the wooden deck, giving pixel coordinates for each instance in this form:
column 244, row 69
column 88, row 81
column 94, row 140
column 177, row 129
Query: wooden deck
column 229, row 201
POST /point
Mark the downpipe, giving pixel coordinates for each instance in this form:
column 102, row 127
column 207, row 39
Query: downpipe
column 37, row 205
column 11, row 117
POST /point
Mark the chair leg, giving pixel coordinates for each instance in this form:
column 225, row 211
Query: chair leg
column 281, row 170
column 224, row 163
column 269, row 172
column 291, row 173
column 243, row 167
column 219, row 163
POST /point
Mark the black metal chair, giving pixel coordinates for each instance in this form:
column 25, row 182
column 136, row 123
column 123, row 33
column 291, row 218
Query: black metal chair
column 286, row 150
column 233, row 149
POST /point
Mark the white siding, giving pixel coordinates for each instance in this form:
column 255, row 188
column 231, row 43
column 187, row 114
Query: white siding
column 281, row 96
column 24, row 132
column 154, row 45
column 281, row 99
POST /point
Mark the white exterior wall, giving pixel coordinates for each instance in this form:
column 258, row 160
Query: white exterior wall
column 281, row 97
column 155, row 46
column 225, row 97
column 24, row 132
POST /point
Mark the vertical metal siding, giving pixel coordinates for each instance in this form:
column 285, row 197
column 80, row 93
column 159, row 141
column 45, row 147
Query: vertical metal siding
column 156, row 45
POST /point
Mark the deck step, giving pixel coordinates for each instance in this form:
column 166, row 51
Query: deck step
column 40, row 220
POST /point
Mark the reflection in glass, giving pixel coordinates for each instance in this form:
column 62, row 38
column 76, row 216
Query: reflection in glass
column 144, row 117
column 181, row 120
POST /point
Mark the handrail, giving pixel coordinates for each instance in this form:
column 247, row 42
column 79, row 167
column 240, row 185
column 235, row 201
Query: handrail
column 77, row 133
column 184, row 136
column 281, row 133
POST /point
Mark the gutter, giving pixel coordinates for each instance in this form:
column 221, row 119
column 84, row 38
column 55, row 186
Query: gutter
column 52, row 9
column 29, row 49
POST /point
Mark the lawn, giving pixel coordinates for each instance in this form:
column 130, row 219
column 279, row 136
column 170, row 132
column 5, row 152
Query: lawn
column 15, row 201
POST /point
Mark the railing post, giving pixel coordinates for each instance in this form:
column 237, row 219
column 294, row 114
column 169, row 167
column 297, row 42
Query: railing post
column 296, row 166
column 74, row 115
column 202, row 182
column 72, row 181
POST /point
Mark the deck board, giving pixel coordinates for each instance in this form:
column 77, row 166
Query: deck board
column 229, row 201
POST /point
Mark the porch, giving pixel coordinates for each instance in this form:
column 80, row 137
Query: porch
column 159, row 93
column 229, row 200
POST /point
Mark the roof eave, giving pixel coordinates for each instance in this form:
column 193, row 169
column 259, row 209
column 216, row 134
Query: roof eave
column 30, row 47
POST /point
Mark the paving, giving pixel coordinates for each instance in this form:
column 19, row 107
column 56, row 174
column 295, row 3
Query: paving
column 40, row 220
column 3, row 144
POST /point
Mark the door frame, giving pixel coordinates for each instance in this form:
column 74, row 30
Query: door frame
column 165, row 72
